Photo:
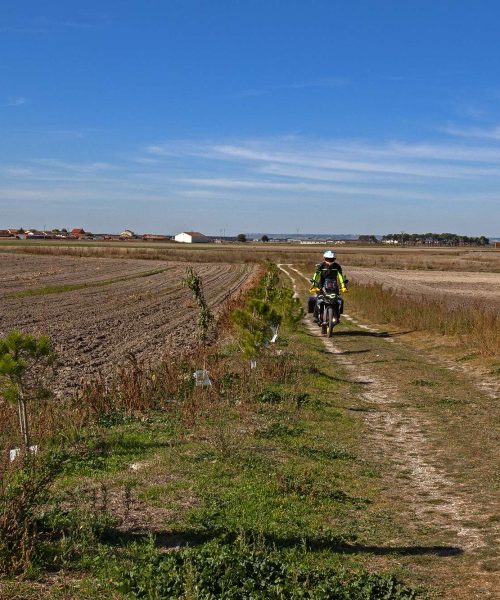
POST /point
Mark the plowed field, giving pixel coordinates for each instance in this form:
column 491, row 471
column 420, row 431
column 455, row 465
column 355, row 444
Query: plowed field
column 97, row 311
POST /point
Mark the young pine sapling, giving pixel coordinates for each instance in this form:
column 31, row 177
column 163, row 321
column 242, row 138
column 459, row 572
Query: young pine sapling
column 25, row 364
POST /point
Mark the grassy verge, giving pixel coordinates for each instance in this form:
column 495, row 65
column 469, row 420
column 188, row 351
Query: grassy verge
column 249, row 488
column 479, row 327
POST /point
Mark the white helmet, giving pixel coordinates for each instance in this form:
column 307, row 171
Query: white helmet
column 329, row 255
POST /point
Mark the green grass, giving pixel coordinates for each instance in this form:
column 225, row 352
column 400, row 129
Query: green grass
column 284, row 514
column 247, row 569
column 258, row 479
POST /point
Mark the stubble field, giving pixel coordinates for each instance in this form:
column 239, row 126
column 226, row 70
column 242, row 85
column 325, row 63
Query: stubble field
column 452, row 286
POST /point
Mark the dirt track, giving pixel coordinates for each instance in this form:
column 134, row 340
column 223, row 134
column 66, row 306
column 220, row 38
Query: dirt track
column 455, row 286
column 130, row 306
column 433, row 432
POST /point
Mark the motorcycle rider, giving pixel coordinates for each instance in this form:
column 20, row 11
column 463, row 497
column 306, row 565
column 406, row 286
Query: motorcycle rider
column 328, row 269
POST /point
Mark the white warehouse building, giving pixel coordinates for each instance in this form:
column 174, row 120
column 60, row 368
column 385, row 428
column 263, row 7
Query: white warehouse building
column 191, row 237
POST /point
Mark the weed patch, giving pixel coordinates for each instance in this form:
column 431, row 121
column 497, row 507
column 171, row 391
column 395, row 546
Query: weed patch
column 279, row 430
column 23, row 490
column 324, row 453
column 270, row 396
column 244, row 569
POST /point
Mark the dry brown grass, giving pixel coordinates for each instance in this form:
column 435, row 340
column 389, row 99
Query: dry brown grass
column 453, row 259
column 478, row 326
column 138, row 387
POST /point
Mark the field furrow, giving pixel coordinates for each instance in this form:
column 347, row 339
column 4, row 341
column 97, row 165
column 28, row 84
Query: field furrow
column 126, row 307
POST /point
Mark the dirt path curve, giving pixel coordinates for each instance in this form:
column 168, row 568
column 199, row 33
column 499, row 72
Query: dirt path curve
column 427, row 467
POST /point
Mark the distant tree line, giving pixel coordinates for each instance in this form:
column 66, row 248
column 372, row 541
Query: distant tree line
column 442, row 239
column 368, row 239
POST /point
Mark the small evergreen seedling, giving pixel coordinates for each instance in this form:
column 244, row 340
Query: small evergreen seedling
column 255, row 324
column 24, row 363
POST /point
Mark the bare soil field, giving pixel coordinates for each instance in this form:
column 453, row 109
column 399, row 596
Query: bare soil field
column 98, row 311
column 21, row 272
column 456, row 287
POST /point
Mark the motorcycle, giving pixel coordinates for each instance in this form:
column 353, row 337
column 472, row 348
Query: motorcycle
column 328, row 306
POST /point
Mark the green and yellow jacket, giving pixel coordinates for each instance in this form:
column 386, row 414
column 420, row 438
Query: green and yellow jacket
column 329, row 271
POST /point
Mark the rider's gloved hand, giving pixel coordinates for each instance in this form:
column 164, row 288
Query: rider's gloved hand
column 344, row 290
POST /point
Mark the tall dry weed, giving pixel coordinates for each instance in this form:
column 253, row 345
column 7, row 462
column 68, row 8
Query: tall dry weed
column 478, row 327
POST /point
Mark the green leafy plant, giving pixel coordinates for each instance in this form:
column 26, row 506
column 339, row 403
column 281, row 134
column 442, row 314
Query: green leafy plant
column 23, row 490
column 244, row 569
column 270, row 396
column 279, row 430
column 25, row 363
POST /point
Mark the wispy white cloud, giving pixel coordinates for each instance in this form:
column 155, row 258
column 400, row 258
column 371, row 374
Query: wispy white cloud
column 77, row 167
column 14, row 101
column 474, row 112
column 270, row 173
column 145, row 160
column 205, row 194
column 336, row 159
column 301, row 187
column 491, row 133
column 18, row 172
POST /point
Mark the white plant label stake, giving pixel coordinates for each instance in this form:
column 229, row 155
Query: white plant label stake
column 14, row 452
column 202, row 378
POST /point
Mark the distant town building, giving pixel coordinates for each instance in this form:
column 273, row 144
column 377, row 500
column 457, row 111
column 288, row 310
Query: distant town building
column 192, row 237
column 35, row 234
column 128, row 233
column 78, row 233
column 154, row 237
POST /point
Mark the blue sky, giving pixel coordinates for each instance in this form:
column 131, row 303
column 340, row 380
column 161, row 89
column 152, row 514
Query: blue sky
column 367, row 116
